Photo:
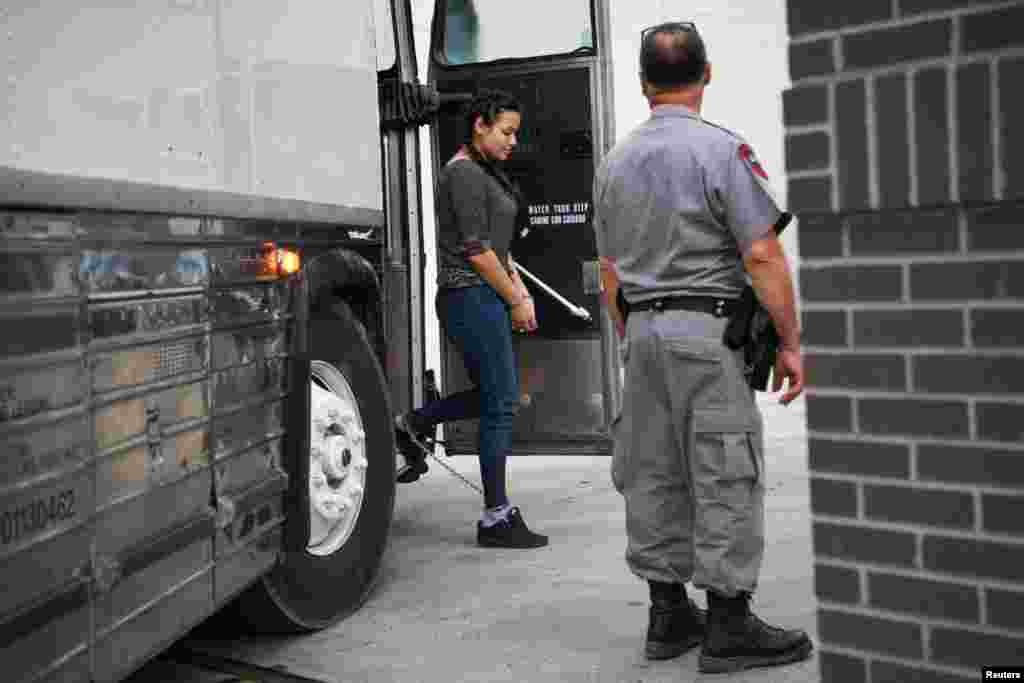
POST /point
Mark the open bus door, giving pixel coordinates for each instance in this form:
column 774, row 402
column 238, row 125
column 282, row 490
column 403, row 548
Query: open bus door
column 555, row 58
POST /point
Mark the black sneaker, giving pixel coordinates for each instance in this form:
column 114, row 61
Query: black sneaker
column 413, row 447
column 510, row 532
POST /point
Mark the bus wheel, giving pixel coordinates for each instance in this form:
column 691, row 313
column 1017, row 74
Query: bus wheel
column 349, row 486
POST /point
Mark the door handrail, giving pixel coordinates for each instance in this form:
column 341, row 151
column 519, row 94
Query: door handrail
column 577, row 311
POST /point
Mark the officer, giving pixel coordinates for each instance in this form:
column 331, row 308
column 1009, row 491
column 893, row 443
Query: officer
column 682, row 209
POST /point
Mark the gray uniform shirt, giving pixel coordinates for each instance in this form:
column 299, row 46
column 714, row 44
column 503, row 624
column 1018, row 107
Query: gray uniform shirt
column 676, row 205
column 474, row 214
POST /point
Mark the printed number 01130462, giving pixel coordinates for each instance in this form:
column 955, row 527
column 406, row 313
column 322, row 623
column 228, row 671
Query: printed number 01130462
column 36, row 516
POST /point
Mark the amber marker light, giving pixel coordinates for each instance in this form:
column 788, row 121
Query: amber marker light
column 267, row 261
column 288, row 261
column 271, row 262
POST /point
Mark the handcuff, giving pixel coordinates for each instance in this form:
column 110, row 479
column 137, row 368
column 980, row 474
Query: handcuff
column 521, row 330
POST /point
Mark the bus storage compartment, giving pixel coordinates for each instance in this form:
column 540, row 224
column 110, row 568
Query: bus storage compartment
column 153, row 571
column 153, row 628
column 47, row 500
column 145, row 440
column 249, row 385
column 146, row 572
column 149, row 365
column 47, row 479
column 250, row 378
column 133, row 506
column 249, row 528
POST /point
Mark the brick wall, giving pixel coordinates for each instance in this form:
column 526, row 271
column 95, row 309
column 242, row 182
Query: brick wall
column 905, row 160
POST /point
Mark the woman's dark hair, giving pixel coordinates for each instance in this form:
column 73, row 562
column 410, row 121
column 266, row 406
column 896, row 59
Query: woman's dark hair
column 488, row 104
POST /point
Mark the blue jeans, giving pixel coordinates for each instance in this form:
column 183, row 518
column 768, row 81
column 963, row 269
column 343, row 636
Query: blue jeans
column 477, row 322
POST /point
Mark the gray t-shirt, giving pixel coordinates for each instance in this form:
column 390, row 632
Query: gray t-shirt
column 677, row 203
column 474, row 214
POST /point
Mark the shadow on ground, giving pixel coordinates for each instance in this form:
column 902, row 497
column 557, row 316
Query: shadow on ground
column 444, row 610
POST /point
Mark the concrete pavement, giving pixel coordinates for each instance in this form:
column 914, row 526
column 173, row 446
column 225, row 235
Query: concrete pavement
column 444, row 610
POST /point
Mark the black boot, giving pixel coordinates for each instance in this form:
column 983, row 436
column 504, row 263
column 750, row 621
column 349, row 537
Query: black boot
column 737, row 639
column 676, row 624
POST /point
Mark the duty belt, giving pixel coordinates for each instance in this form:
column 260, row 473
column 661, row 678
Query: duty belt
column 720, row 308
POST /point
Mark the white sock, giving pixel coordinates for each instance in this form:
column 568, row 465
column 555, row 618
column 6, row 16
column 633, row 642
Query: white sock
column 492, row 516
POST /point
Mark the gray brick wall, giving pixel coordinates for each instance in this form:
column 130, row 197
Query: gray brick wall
column 905, row 163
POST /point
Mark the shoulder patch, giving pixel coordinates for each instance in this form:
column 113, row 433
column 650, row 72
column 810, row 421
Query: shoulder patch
column 746, row 153
column 747, row 157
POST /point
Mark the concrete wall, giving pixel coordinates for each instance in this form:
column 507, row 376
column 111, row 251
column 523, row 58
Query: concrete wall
column 904, row 141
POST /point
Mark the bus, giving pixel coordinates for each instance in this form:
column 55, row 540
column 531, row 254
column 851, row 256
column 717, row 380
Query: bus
column 214, row 299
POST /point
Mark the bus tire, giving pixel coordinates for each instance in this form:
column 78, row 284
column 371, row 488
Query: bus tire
column 314, row 586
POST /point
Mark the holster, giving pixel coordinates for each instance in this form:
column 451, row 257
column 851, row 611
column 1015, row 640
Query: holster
column 751, row 328
column 760, row 352
column 737, row 331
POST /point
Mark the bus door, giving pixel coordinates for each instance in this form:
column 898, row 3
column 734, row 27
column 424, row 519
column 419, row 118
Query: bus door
column 554, row 57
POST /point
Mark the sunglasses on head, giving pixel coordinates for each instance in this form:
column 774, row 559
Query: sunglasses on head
column 668, row 26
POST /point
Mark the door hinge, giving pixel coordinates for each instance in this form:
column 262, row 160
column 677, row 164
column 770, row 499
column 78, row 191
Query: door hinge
column 404, row 105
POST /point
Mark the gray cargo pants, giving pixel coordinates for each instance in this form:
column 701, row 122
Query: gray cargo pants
column 688, row 455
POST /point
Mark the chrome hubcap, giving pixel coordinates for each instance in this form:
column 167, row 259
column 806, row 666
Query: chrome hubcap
column 337, row 460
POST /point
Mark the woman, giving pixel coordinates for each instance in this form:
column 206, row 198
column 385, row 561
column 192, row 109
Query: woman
column 480, row 300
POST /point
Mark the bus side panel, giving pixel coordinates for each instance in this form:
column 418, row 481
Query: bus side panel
column 248, row 98
column 152, row 629
column 250, row 383
column 47, row 488
column 149, row 371
column 142, row 387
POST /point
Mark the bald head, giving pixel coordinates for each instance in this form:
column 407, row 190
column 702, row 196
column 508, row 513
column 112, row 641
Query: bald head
column 672, row 57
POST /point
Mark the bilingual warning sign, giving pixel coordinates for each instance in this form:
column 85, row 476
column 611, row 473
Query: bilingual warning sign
column 559, row 213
